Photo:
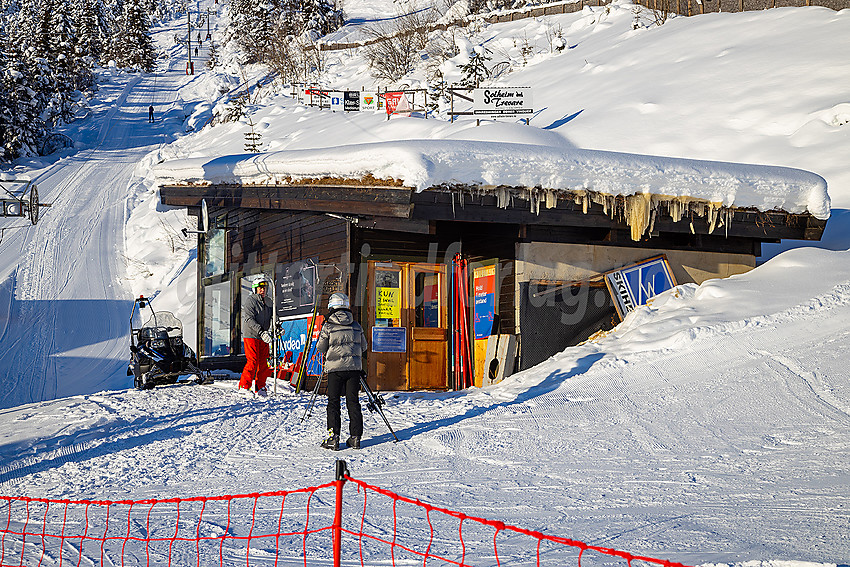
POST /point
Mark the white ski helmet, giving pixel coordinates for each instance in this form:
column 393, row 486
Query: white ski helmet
column 259, row 282
column 338, row 301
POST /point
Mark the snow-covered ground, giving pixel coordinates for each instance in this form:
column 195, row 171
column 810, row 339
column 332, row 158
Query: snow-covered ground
column 712, row 426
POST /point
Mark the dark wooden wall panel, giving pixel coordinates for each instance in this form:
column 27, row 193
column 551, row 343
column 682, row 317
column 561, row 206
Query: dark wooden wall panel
column 260, row 237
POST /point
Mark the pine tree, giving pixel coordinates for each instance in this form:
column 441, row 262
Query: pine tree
column 259, row 27
column 90, row 21
column 21, row 126
column 475, row 72
column 320, row 16
column 131, row 44
column 62, row 57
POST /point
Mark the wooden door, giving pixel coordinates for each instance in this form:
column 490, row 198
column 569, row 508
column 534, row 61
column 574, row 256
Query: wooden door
column 386, row 318
column 427, row 302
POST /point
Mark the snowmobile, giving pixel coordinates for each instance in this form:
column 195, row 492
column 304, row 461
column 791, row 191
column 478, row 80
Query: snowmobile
column 158, row 355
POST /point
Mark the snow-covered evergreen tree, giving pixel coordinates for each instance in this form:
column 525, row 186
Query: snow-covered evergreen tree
column 320, row 16
column 62, row 57
column 258, row 25
column 22, row 102
column 91, row 23
column 475, row 72
column 131, row 45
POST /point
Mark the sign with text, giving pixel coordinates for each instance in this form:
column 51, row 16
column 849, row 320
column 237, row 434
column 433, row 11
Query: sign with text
column 351, row 101
column 292, row 337
column 370, row 101
column 396, row 103
column 337, row 99
column 389, row 339
column 484, row 298
column 388, row 304
column 502, row 101
column 296, row 289
column 634, row 285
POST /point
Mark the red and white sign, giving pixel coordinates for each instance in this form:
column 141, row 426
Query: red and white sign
column 397, row 103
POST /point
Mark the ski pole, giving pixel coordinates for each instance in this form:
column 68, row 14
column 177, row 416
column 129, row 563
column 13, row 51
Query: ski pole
column 274, row 328
column 375, row 404
column 308, row 411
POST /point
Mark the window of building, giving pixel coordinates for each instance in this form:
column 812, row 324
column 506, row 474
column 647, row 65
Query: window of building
column 216, row 242
column 217, row 299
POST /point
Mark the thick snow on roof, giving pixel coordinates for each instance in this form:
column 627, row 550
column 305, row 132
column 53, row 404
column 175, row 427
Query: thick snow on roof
column 428, row 163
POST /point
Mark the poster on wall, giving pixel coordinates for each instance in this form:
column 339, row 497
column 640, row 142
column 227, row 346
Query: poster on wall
column 296, row 289
column 484, row 300
column 388, row 298
column 389, row 339
column 217, row 319
column 292, row 336
column 634, row 285
column 430, row 313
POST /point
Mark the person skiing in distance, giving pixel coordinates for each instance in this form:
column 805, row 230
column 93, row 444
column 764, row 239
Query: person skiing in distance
column 150, row 113
column 343, row 343
column 256, row 321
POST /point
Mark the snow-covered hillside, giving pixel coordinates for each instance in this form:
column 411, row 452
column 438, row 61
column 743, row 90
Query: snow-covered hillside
column 712, row 426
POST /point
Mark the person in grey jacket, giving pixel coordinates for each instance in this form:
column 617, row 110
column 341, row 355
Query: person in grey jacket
column 343, row 343
column 256, row 321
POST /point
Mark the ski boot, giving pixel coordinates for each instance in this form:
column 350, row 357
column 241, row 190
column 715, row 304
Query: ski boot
column 353, row 442
column 332, row 441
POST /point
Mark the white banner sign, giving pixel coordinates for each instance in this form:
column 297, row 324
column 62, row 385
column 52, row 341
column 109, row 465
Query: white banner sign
column 337, row 99
column 370, row 100
column 502, row 101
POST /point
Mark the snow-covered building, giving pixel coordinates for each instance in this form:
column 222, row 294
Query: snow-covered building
column 539, row 227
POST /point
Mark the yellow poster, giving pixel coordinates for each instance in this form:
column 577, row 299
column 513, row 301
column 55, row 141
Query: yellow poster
column 388, row 305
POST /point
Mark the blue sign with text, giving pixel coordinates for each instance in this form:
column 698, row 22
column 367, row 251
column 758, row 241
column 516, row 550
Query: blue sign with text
column 634, row 285
column 389, row 339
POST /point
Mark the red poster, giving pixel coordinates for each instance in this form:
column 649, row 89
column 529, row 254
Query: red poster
column 391, row 101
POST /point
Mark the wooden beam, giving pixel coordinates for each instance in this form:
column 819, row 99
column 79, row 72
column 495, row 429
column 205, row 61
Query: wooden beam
column 482, row 208
column 343, row 199
column 378, row 205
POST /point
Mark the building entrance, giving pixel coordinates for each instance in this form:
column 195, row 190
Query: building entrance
column 407, row 320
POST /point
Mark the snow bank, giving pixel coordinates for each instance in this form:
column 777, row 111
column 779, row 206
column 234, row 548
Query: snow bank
column 427, row 163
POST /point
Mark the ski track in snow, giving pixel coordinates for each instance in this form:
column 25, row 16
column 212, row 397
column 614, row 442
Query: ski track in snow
column 744, row 459
column 67, row 284
column 715, row 467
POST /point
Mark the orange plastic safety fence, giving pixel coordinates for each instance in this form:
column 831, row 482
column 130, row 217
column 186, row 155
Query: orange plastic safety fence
column 219, row 530
column 275, row 528
column 478, row 541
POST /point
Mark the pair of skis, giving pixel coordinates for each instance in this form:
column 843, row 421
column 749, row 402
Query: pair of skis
column 308, row 344
column 462, row 351
column 374, row 402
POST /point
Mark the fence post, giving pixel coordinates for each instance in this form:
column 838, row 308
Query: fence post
column 340, row 473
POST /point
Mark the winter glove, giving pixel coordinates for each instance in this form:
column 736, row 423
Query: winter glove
column 266, row 337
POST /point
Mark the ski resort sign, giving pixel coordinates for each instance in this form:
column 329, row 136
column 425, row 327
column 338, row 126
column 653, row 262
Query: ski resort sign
column 501, row 102
column 634, row 285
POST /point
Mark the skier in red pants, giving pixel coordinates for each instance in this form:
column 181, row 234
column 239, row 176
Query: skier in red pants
column 256, row 321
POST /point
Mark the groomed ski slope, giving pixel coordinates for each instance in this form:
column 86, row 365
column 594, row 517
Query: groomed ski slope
column 712, row 427
column 64, row 301
column 724, row 444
